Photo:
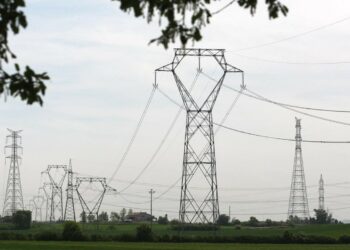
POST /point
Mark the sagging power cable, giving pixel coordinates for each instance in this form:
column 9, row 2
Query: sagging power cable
column 133, row 137
column 162, row 141
column 261, row 98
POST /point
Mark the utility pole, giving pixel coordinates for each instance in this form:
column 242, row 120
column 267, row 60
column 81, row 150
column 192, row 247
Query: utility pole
column 199, row 161
column 229, row 212
column 321, row 194
column 13, row 196
column 298, row 202
column 151, row 192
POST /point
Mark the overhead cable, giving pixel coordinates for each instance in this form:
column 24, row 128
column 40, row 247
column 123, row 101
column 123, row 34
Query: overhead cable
column 261, row 98
column 294, row 36
column 162, row 141
column 133, row 137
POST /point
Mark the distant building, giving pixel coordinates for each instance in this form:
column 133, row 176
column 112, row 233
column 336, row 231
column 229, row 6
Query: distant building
column 138, row 217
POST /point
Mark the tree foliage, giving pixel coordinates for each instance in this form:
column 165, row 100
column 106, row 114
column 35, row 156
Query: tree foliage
column 223, row 219
column 103, row 217
column 184, row 21
column 22, row 219
column 185, row 18
column 26, row 84
column 72, row 231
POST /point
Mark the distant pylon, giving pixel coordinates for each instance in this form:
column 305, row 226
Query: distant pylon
column 298, row 202
column 321, row 194
column 13, row 196
column 69, row 212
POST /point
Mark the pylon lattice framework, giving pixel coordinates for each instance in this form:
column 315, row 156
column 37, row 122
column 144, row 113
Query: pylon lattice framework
column 199, row 123
column 298, row 202
column 47, row 190
column 92, row 210
column 56, row 202
column 38, row 202
column 69, row 212
column 321, row 194
column 13, row 196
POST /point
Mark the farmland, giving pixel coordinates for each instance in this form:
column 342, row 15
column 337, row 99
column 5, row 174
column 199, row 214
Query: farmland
column 17, row 245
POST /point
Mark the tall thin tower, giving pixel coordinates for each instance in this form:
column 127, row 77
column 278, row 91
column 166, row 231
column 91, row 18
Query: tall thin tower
column 13, row 196
column 69, row 212
column 321, row 194
column 298, row 202
column 199, row 162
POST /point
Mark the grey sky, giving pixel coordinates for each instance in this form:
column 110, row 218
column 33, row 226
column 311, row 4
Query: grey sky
column 101, row 72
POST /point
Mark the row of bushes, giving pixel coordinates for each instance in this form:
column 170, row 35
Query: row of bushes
column 286, row 238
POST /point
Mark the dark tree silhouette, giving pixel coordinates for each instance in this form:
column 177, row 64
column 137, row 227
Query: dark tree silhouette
column 184, row 21
column 26, row 84
column 186, row 18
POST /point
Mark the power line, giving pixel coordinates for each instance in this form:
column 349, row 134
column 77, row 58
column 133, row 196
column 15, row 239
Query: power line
column 134, row 134
column 261, row 98
column 294, row 36
column 300, row 112
column 293, row 63
column 222, row 8
column 279, row 138
column 162, row 141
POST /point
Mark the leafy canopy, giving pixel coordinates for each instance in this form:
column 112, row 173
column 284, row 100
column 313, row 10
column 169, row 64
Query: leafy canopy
column 186, row 18
column 184, row 21
column 26, row 84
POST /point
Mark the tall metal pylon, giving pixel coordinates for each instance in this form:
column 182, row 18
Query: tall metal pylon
column 321, row 194
column 298, row 202
column 56, row 201
column 199, row 146
column 38, row 202
column 13, row 196
column 94, row 209
column 47, row 190
column 69, row 212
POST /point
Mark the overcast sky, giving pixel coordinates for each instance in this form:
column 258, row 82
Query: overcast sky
column 102, row 71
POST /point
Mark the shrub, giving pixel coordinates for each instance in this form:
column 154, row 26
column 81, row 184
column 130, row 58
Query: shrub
column 22, row 219
column 223, row 219
column 46, row 235
column 144, row 233
column 163, row 220
column 72, row 231
column 344, row 239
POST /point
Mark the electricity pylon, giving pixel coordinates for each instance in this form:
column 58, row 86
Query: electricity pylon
column 13, row 196
column 56, row 201
column 204, row 207
column 92, row 211
column 38, row 202
column 321, row 194
column 69, row 212
column 47, row 190
column 298, row 202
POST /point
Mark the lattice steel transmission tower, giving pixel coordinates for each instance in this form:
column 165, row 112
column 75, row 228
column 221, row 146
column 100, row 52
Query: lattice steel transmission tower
column 199, row 149
column 298, row 202
column 69, row 212
column 92, row 210
column 56, row 202
column 321, row 194
column 38, row 202
column 47, row 190
column 13, row 196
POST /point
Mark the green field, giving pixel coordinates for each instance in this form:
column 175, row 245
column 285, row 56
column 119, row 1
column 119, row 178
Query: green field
column 118, row 229
column 33, row 245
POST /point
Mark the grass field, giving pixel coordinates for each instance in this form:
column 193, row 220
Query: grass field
column 20, row 245
column 118, row 229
